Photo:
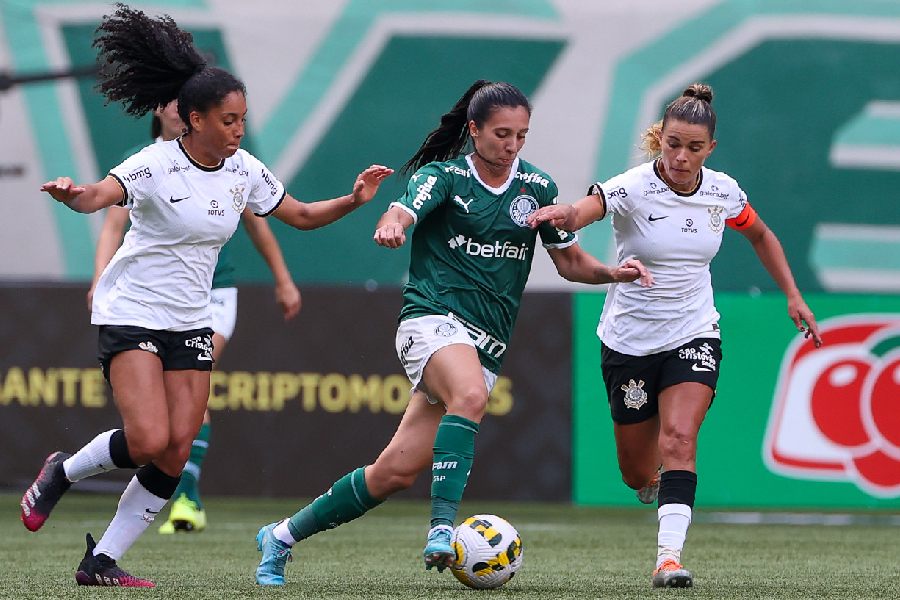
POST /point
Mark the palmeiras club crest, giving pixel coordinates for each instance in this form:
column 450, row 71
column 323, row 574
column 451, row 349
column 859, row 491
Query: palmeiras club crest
column 835, row 413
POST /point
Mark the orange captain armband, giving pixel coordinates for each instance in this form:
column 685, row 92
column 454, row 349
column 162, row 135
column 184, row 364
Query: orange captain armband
column 743, row 220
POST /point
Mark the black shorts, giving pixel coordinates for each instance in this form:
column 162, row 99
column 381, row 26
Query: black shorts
column 178, row 350
column 633, row 383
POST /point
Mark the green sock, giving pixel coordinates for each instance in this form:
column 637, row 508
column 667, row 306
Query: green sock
column 454, row 448
column 190, row 475
column 347, row 499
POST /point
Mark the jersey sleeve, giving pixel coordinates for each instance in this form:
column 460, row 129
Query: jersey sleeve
column 139, row 175
column 619, row 193
column 739, row 214
column 426, row 190
column 552, row 237
column 266, row 191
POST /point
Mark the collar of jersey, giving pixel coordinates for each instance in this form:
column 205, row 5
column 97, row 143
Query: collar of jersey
column 513, row 169
column 195, row 163
column 690, row 193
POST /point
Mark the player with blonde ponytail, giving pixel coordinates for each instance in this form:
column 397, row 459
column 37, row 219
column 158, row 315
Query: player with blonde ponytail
column 661, row 346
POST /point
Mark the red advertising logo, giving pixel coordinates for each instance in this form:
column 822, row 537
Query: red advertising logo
column 836, row 412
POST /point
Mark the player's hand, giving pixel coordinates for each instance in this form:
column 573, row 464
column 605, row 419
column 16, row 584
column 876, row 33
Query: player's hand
column 560, row 216
column 390, row 235
column 288, row 298
column 804, row 320
column 367, row 183
column 630, row 270
column 63, row 189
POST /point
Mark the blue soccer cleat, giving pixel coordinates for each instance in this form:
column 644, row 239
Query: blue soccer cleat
column 438, row 551
column 275, row 556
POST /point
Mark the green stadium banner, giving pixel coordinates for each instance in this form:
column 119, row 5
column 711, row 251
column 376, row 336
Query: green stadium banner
column 791, row 426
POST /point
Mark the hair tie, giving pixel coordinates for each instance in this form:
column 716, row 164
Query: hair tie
column 199, row 68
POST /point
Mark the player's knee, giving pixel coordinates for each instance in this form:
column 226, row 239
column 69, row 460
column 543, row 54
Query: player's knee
column 470, row 404
column 678, row 444
column 144, row 446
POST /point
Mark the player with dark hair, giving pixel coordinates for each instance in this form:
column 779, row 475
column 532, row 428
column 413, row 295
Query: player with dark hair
column 187, row 513
column 152, row 301
column 471, row 255
column 661, row 347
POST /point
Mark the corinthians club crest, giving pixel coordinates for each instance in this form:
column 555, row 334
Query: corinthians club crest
column 237, row 200
column 716, row 222
column 635, row 396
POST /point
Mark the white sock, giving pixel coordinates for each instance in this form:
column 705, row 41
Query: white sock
column 283, row 533
column 92, row 459
column 674, row 520
column 136, row 511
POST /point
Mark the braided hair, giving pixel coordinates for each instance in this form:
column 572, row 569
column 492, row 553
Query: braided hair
column 148, row 62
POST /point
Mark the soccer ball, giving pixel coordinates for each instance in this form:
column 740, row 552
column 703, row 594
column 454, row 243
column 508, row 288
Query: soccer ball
column 488, row 551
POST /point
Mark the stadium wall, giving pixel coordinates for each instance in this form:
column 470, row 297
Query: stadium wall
column 294, row 406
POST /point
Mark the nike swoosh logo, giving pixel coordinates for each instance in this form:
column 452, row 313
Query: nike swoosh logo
column 695, row 367
column 651, row 218
column 174, row 200
column 201, row 357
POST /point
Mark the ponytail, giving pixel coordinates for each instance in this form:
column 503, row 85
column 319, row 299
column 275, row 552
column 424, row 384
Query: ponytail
column 452, row 135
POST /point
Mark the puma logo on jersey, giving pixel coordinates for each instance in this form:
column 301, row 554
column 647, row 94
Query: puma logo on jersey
column 463, row 203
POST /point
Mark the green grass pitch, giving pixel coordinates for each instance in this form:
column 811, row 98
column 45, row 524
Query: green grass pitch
column 569, row 552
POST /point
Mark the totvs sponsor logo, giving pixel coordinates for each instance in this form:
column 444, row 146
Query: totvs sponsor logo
column 834, row 415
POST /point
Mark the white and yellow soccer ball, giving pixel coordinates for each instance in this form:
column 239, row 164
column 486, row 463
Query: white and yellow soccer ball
column 488, row 551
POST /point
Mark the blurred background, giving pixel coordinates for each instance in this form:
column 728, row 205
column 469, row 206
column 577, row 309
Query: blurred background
column 808, row 102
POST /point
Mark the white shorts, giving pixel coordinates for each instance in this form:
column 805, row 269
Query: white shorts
column 419, row 338
column 223, row 302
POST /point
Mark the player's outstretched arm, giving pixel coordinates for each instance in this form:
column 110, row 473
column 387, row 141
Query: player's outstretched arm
column 574, row 264
column 85, row 198
column 286, row 293
column 312, row 215
column 570, row 217
column 771, row 255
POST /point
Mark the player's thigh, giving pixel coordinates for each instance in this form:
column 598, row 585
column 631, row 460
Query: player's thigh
column 136, row 377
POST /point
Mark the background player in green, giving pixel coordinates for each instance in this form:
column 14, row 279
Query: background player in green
column 471, row 255
column 187, row 513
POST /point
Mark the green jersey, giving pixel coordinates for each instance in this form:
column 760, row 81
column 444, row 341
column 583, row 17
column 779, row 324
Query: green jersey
column 472, row 248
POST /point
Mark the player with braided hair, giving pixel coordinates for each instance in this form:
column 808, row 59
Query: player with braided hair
column 151, row 302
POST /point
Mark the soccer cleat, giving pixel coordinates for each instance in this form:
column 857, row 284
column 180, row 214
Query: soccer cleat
column 275, row 556
column 102, row 570
column 649, row 493
column 167, row 528
column 184, row 516
column 438, row 551
column 670, row 574
column 45, row 492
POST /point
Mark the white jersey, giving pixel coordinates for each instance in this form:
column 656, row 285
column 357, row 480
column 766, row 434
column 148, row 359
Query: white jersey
column 182, row 213
column 675, row 235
